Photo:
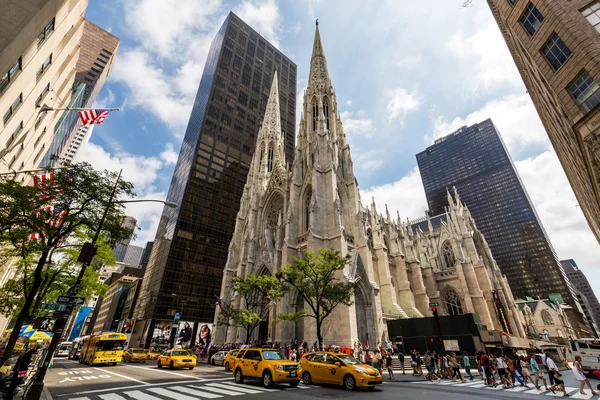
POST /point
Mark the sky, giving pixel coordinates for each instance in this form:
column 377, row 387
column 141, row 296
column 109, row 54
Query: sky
column 405, row 73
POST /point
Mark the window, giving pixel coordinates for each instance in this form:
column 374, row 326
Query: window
column 370, row 238
column 512, row 2
column 10, row 75
column 315, row 113
column 45, row 33
column 40, row 98
column 547, row 318
column 13, row 107
column 452, row 302
column 43, row 68
column 307, row 207
column 531, row 19
column 270, row 157
column 14, row 134
column 556, row 51
column 326, row 111
column 448, row 254
column 592, row 14
column 585, row 91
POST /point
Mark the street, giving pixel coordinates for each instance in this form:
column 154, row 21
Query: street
column 69, row 380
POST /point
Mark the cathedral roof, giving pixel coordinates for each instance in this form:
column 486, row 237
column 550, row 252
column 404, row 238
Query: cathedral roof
column 421, row 223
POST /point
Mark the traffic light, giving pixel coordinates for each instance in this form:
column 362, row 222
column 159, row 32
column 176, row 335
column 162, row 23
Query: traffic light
column 435, row 312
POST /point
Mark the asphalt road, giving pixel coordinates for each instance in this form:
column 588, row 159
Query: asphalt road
column 69, row 380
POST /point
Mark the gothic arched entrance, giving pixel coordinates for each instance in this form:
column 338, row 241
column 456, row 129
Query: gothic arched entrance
column 363, row 305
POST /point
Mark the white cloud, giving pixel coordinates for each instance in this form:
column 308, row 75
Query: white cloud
column 556, row 206
column 349, row 102
column 263, row 16
column 401, row 102
column 514, row 116
column 408, row 62
column 105, row 101
column 169, row 155
column 405, row 196
column 368, row 162
column 357, row 126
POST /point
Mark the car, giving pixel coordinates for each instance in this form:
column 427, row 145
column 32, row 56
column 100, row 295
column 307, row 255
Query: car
column 334, row 368
column 268, row 365
column 218, row 357
column 229, row 360
column 177, row 358
column 135, row 355
column 153, row 354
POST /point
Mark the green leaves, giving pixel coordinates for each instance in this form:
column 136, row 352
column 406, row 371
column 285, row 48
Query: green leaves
column 318, row 279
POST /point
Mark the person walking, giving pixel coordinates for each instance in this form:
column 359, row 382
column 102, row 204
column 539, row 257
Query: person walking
column 555, row 376
column 419, row 364
column 467, row 363
column 487, row 366
column 580, row 376
column 455, row 368
column 524, row 371
column 502, row 372
column 388, row 365
column 535, row 370
column 401, row 359
column 377, row 360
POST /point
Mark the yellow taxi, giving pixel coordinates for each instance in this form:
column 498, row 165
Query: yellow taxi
column 177, row 358
column 338, row 369
column 135, row 355
column 229, row 360
column 153, row 354
column 268, row 365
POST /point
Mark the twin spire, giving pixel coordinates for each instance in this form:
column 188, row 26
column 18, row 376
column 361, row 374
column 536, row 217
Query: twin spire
column 318, row 63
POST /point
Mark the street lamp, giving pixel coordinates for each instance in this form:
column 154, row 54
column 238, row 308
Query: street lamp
column 85, row 257
column 175, row 328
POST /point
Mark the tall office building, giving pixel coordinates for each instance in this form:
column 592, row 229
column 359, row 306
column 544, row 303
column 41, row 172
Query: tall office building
column 190, row 250
column 555, row 47
column 475, row 161
column 590, row 304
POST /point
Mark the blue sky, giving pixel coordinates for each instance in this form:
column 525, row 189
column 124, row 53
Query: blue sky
column 405, row 72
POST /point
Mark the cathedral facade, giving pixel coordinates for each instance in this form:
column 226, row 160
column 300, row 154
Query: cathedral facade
column 400, row 267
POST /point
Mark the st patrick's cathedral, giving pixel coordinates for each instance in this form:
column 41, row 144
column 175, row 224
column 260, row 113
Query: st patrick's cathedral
column 314, row 202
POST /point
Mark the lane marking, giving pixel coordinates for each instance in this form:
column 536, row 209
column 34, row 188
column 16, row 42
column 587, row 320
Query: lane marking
column 177, row 396
column 238, row 388
column 166, row 372
column 111, row 396
column 198, row 393
column 218, row 390
column 136, row 387
column 136, row 394
column 234, row 385
column 123, row 376
column 559, row 393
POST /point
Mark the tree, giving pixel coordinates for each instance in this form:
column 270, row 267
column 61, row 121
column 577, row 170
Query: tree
column 315, row 277
column 59, row 274
column 257, row 294
column 36, row 219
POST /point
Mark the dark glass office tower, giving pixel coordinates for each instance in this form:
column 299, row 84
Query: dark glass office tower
column 474, row 159
column 191, row 245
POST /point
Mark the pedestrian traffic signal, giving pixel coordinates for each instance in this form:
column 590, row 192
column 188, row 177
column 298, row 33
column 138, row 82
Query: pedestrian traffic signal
column 434, row 311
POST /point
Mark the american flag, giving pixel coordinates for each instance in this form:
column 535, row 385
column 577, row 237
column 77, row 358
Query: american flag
column 42, row 181
column 89, row 117
column 220, row 303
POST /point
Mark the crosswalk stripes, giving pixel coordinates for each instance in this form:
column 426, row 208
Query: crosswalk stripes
column 572, row 391
column 209, row 391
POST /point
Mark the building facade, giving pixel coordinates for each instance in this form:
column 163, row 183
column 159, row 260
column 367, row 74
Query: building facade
column 546, row 320
column 399, row 267
column 554, row 45
column 190, row 249
column 475, row 160
column 589, row 301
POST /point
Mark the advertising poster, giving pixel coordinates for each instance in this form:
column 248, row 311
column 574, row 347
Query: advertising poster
column 79, row 321
column 184, row 334
column 127, row 326
column 204, row 335
column 161, row 333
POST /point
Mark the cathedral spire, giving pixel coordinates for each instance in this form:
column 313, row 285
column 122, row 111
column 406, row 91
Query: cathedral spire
column 318, row 63
column 269, row 144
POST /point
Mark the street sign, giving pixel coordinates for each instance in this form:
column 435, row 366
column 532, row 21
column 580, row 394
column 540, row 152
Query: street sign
column 177, row 316
column 53, row 307
column 42, row 323
column 70, row 300
column 434, row 305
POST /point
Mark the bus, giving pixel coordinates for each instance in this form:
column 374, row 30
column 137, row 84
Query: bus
column 76, row 347
column 106, row 348
column 589, row 350
column 63, row 349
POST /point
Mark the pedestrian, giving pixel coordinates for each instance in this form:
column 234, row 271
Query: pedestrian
column 368, row 359
column 555, row 376
column 413, row 361
column 377, row 360
column 431, row 367
column 503, row 372
column 510, row 368
column 580, row 376
column 525, row 371
column 467, row 363
column 535, row 370
column 388, row 365
column 401, row 359
column 419, row 364
column 455, row 368
column 487, row 365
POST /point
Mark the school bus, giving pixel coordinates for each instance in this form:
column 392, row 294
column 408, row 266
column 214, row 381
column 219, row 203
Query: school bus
column 106, row 348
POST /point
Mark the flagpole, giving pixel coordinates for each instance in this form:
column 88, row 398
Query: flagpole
column 46, row 108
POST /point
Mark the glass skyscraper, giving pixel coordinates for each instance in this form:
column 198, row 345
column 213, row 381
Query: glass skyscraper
column 475, row 160
column 184, row 272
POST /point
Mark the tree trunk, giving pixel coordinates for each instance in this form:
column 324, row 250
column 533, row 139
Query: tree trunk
column 24, row 313
column 319, row 336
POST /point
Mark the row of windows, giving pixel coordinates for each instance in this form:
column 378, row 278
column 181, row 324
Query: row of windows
column 584, row 89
